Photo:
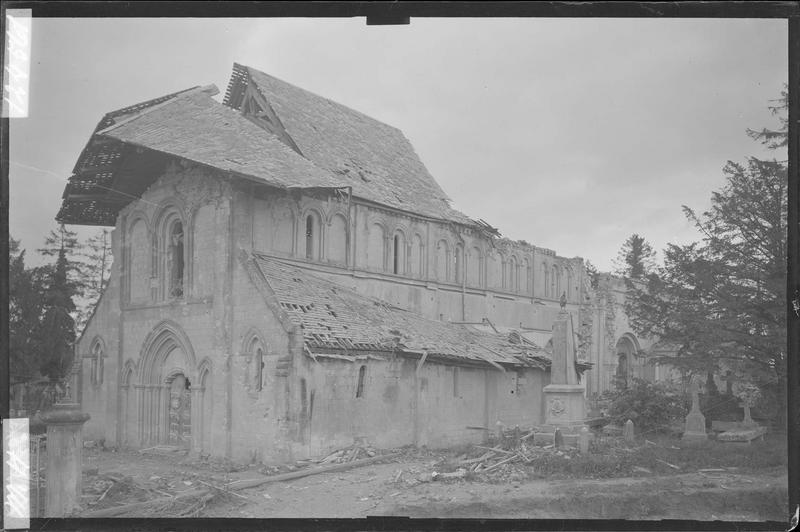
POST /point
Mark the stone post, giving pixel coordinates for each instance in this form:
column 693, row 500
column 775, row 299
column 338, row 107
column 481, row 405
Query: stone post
column 64, row 448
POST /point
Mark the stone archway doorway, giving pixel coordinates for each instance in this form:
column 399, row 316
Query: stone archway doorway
column 179, row 414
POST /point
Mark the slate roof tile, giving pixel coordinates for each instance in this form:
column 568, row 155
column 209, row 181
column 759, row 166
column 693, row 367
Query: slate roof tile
column 334, row 317
column 197, row 128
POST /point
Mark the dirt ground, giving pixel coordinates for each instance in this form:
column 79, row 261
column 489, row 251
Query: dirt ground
column 403, row 487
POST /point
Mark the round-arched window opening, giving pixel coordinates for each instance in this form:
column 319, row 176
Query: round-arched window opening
column 175, row 259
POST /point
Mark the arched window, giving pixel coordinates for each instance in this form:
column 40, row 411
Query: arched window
column 139, row 260
column 570, row 286
column 398, row 253
column 626, row 355
column 312, row 236
column 528, row 275
column 175, row 259
column 459, row 263
column 546, row 279
column 554, row 283
column 362, row 372
column 97, row 363
column 257, row 351
column 513, row 279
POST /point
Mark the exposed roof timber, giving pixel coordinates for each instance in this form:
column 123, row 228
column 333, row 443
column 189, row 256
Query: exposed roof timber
column 254, row 99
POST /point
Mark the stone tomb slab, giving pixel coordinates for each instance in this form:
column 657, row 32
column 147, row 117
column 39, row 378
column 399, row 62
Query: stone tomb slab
column 743, row 435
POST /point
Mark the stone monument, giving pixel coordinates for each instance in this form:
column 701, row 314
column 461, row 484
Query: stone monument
column 564, row 400
column 695, row 430
column 64, row 449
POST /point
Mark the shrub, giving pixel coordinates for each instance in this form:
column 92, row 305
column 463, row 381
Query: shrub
column 653, row 407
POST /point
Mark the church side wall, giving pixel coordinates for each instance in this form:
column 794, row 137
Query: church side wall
column 439, row 406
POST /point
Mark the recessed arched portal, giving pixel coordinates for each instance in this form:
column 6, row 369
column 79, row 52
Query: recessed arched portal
column 166, row 371
column 627, row 350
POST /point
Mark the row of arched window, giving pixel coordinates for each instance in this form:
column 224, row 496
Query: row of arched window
column 398, row 254
column 336, row 237
column 558, row 281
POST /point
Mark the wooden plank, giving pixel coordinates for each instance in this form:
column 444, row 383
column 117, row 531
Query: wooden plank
column 495, row 449
column 422, row 361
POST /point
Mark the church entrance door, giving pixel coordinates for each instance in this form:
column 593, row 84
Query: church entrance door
column 180, row 407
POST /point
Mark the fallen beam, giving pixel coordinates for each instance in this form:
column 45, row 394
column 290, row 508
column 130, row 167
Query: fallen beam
column 238, row 485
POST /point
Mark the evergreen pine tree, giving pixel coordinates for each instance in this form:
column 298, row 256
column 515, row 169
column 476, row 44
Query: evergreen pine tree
column 57, row 331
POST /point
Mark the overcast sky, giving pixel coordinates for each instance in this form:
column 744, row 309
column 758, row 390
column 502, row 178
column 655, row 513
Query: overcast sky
column 569, row 133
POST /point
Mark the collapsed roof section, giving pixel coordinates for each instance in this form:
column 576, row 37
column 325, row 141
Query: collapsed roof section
column 334, row 319
column 267, row 131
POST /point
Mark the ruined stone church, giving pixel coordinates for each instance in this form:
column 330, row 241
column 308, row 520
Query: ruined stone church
column 288, row 278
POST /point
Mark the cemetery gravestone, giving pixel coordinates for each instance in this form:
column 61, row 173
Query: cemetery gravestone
column 695, row 430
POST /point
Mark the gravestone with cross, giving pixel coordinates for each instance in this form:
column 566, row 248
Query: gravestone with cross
column 695, row 429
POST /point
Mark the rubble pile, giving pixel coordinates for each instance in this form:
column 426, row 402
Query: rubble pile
column 511, row 455
column 349, row 454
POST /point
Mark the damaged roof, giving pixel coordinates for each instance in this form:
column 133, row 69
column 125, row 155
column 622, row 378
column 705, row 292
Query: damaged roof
column 374, row 158
column 335, row 318
column 315, row 143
